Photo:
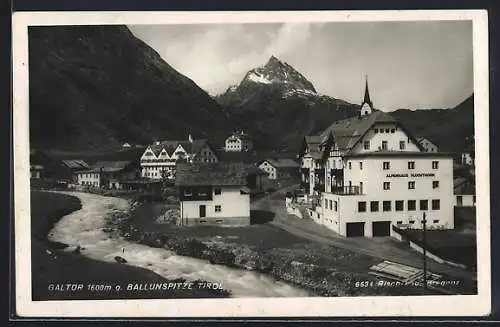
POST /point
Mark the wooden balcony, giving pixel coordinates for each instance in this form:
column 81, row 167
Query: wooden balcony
column 347, row 190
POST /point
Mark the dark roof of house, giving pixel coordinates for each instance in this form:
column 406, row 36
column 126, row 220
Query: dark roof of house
column 170, row 146
column 254, row 170
column 282, row 162
column 386, row 153
column 240, row 135
column 211, row 174
column 463, row 186
column 422, row 139
column 313, row 143
column 75, row 164
column 348, row 132
column 109, row 166
column 248, row 157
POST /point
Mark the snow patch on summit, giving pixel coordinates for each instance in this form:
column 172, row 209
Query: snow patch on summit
column 300, row 92
column 258, row 78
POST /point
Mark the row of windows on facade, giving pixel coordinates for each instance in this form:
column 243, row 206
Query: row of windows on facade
column 411, row 185
column 90, row 175
column 386, row 130
column 89, row 183
column 156, row 171
column 384, row 145
column 399, row 222
column 189, row 192
column 387, row 205
column 386, row 185
column 386, row 165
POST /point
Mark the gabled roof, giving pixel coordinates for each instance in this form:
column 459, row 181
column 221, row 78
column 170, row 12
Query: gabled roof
column 240, row 135
column 313, row 142
column 421, row 139
column 198, row 144
column 171, row 145
column 211, row 174
column 109, row 166
column 254, row 170
column 282, row 163
column 348, row 132
column 248, row 157
column 75, row 164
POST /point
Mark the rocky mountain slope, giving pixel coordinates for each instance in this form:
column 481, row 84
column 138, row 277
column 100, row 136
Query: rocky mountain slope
column 279, row 105
column 99, row 86
column 450, row 129
column 96, row 87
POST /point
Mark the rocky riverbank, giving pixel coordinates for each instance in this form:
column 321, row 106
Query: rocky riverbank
column 55, row 263
column 87, row 232
column 301, row 267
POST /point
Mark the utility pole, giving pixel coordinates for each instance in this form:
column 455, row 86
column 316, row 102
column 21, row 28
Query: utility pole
column 424, row 237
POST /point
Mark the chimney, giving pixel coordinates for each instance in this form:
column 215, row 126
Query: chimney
column 190, row 138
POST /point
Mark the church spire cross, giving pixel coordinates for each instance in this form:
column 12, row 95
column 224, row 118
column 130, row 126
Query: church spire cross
column 367, row 93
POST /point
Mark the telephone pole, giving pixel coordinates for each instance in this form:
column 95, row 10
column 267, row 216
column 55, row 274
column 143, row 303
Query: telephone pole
column 424, row 237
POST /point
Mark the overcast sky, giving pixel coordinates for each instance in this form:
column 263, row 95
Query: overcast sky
column 409, row 64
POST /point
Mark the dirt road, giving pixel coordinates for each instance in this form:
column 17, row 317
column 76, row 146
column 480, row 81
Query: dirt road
column 383, row 248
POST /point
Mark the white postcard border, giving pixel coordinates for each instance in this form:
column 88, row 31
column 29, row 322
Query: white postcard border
column 385, row 306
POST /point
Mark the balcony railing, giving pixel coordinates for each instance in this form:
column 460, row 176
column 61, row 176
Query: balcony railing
column 158, row 160
column 347, row 190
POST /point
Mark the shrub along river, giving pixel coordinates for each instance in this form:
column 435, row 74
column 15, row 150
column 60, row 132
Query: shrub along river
column 84, row 228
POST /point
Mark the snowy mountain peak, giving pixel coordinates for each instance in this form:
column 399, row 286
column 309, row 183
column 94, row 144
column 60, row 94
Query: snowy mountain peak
column 273, row 61
column 278, row 73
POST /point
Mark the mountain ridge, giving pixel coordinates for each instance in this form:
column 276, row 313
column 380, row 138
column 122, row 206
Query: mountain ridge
column 448, row 128
column 286, row 103
column 100, row 86
column 96, row 87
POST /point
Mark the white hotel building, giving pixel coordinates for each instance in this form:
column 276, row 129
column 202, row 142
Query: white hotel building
column 159, row 159
column 375, row 174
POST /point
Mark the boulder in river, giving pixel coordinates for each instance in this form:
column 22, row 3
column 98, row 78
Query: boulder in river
column 120, row 259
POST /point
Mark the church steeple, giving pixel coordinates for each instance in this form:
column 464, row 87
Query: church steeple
column 367, row 105
column 367, row 93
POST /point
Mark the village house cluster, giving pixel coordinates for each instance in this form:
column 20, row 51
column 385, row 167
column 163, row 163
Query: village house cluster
column 238, row 141
column 160, row 158
column 360, row 176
